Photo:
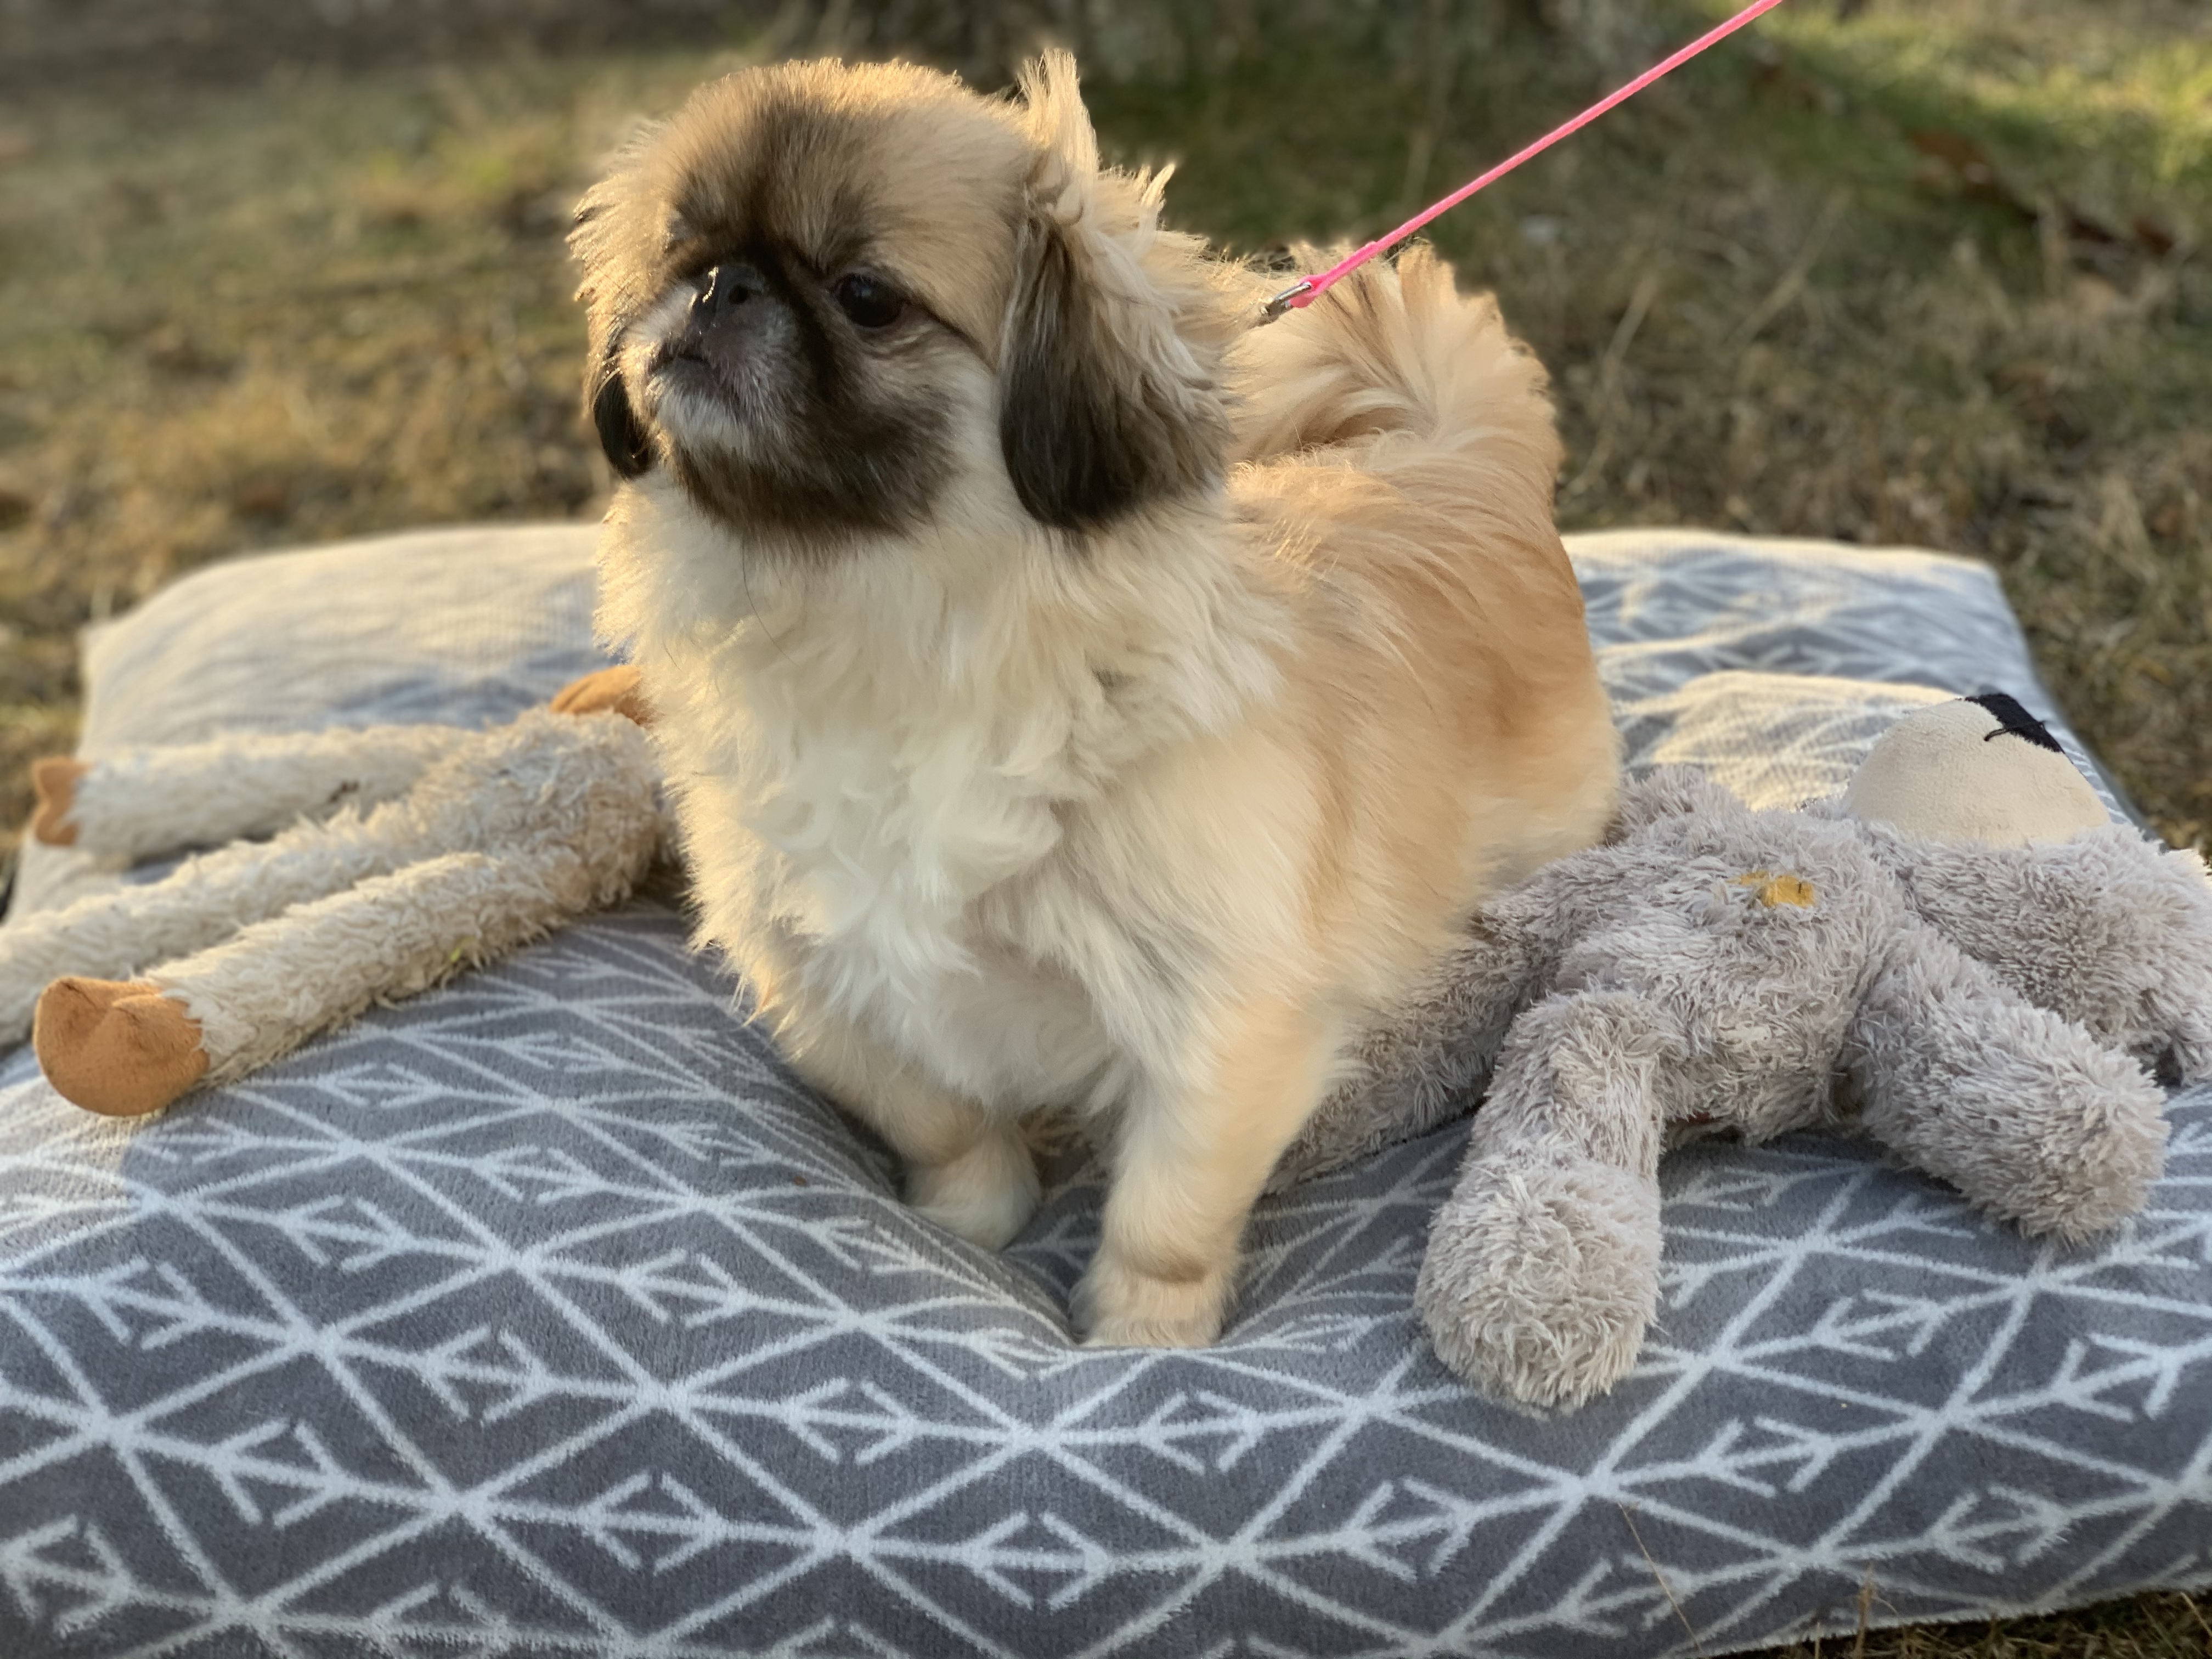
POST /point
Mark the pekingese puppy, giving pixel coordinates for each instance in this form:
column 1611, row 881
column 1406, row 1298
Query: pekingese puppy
column 1070, row 693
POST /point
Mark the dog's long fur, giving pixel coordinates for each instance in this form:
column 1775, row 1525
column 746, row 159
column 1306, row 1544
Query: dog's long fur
column 1071, row 694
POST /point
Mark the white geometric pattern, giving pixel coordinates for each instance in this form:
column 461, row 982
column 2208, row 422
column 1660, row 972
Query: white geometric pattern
column 546, row 1314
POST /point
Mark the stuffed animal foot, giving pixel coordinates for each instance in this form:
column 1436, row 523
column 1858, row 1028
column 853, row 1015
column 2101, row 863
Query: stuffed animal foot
column 1541, row 1278
column 122, row 1049
column 618, row 689
column 55, row 780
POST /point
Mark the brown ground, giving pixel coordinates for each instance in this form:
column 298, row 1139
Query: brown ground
column 1918, row 270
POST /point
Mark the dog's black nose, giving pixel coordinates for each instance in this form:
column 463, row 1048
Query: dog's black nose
column 725, row 287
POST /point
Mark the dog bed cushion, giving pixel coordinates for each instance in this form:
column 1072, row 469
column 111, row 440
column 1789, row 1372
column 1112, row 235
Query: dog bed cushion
column 547, row 1314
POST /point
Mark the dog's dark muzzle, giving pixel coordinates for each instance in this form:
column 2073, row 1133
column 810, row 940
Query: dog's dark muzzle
column 726, row 291
column 733, row 317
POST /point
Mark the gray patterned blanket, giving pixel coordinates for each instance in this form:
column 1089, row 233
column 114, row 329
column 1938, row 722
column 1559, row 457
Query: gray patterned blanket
column 546, row 1314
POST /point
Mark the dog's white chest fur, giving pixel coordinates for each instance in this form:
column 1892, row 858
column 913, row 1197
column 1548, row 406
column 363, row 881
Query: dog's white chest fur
column 880, row 834
column 876, row 817
column 884, row 830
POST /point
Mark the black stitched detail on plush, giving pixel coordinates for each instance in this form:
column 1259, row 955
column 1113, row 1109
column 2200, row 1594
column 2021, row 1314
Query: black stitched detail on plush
column 2013, row 720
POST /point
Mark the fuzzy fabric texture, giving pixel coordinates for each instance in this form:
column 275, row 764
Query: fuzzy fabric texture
column 143, row 802
column 256, row 995
column 510, row 834
column 1986, row 1012
column 151, row 801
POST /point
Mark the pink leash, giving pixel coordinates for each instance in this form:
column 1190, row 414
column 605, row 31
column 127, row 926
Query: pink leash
column 1307, row 289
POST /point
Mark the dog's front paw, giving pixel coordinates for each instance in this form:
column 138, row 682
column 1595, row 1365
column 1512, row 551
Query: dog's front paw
column 987, row 1194
column 1119, row 1306
column 1541, row 1278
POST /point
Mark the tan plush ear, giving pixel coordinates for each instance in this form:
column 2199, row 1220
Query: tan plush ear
column 55, row 780
column 1110, row 362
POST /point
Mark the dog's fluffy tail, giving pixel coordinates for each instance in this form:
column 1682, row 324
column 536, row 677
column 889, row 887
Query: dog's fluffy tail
column 1396, row 354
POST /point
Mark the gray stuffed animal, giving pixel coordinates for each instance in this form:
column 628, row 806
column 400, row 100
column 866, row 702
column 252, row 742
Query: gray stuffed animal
column 1961, row 952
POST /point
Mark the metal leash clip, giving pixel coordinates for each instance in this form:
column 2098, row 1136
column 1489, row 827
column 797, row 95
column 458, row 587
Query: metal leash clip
column 1282, row 301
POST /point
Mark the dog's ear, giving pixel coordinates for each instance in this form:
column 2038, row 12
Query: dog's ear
column 604, row 240
column 1110, row 365
column 1089, row 434
column 628, row 446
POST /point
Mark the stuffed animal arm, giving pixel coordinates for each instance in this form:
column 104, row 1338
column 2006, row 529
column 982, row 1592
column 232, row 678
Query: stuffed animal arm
column 1985, row 1008
column 1431, row 1063
column 149, row 801
column 482, row 841
column 207, row 794
column 2100, row 928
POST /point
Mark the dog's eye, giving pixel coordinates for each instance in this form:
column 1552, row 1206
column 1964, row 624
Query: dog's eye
column 869, row 302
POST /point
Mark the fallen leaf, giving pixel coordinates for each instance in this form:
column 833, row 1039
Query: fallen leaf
column 2082, row 226
column 2156, row 239
column 266, row 500
column 1967, row 166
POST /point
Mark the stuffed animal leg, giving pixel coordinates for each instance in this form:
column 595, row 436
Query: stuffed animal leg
column 509, row 834
column 1422, row 1068
column 112, row 935
column 1433, row 1057
column 2105, row 929
column 2027, row 1114
column 480, row 795
column 126, row 1049
column 150, row 801
column 1542, row 1268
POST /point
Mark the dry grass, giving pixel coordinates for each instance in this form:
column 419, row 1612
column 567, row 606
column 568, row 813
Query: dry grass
column 327, row 295
column 2149, row 1627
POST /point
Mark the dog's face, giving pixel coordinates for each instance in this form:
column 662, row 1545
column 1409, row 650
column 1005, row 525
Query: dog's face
column 830, row 300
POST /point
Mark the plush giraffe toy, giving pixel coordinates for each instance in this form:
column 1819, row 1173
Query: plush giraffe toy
column 399, row 855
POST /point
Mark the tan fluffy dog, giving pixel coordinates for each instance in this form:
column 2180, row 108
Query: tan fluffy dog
column 1070, row 693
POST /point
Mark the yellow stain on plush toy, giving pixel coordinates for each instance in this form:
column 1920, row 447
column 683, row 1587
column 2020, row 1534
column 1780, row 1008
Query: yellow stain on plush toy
column 1773, row 890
